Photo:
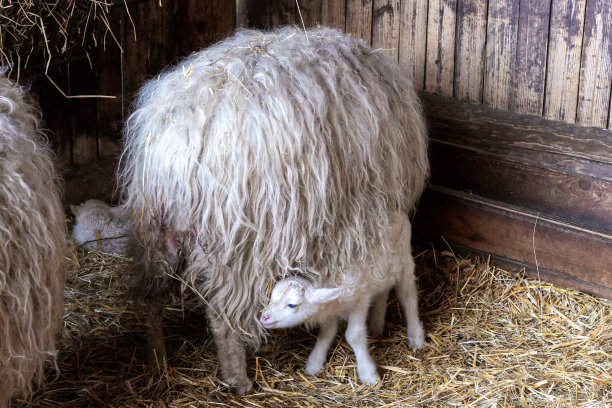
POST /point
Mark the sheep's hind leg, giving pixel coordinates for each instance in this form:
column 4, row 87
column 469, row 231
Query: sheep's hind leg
column 357, row 337
column 156, row 350
column 318, row 355
column 231, row 355
column 376, row 320
column 408, row 296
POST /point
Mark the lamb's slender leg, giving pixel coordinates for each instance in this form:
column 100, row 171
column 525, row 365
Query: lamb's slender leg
column 357, row 337
column 408, row 296
column 231, row 354
column 318, row 355
column 376, row 321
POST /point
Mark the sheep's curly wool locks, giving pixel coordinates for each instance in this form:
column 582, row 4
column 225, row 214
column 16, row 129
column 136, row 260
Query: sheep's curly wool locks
column 33, row 252
column 267, row 153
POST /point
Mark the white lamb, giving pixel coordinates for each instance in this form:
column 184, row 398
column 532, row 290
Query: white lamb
column 297, row 300
column 100, row 226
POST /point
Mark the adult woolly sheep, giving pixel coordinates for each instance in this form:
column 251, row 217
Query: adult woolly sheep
column 33, row 252
column 265, row 153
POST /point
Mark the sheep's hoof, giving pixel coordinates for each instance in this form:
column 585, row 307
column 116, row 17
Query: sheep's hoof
column 241, row 386
column 416, row 337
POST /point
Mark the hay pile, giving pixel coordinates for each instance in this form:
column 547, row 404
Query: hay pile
column 494, row 339
column 40, row 30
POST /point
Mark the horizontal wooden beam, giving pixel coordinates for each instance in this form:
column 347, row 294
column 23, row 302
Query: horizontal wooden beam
column 558, row 170
column 565, row 254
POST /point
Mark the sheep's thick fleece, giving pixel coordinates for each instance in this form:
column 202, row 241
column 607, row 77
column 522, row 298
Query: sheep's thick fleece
column 265, row 153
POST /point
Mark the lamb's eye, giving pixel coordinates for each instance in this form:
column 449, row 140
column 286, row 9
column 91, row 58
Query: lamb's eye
column 291, row 306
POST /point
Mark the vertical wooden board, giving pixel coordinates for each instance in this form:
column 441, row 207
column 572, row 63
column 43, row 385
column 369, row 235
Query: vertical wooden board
column 257, row 12
column 470, row 47
column 283, row 12
column 528, row 80
column 197, row 26
column 385, row 26
column 596, row 65
column 108, row 66
column 413, row 40
column 564, row 52
column 500, row 56
column 440, row 59
column 333, row 13
column 83, row 113
column 311, row 13
column 223, row 21
column 139, row 39
column 359, row 19
column 56, row 110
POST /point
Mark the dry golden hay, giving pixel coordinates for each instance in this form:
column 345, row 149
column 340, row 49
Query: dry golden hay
column 494, row 339
column 45, row 29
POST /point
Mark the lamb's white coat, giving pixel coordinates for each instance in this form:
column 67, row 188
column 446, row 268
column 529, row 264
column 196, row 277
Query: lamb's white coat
column 100, row 226
column 297, row 300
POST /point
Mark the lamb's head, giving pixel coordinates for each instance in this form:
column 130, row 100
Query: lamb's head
column 294, row 301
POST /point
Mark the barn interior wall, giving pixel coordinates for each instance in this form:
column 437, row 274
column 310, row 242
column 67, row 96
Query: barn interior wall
column 547, row 58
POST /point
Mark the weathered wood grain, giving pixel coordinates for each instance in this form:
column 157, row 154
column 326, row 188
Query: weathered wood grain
column 385, row 26
column 502, row 28
column 562, row 170
column 110, row 112
column 470, row 49
column 580, row 256
column 83, row 112
column 564, row 52
column 333, row 14
column 283, row 12
column 528, row 82
column 440, row 59
column 596, row 65
column 510, row 130
column 359, row 19
column 56, row 111
column 413, row 40
column 311, row 13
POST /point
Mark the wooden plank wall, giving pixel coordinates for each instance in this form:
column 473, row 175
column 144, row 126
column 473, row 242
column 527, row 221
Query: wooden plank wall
column 547, row 58
column 146, row 36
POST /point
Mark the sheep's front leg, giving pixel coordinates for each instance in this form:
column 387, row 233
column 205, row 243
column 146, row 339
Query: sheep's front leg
column 357, row 337
column 318, row 356
column 231, row 354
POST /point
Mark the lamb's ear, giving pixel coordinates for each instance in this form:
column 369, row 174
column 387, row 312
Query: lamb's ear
column 74, row 209
column 324, row 295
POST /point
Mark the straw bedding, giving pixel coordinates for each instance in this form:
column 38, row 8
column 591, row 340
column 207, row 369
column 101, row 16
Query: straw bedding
column 494, row 339
column 39, row 30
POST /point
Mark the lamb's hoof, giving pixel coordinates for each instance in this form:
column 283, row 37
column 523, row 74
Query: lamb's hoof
column 241, row 386
column 313, row 368
column 370, row 378
column 416, row 338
